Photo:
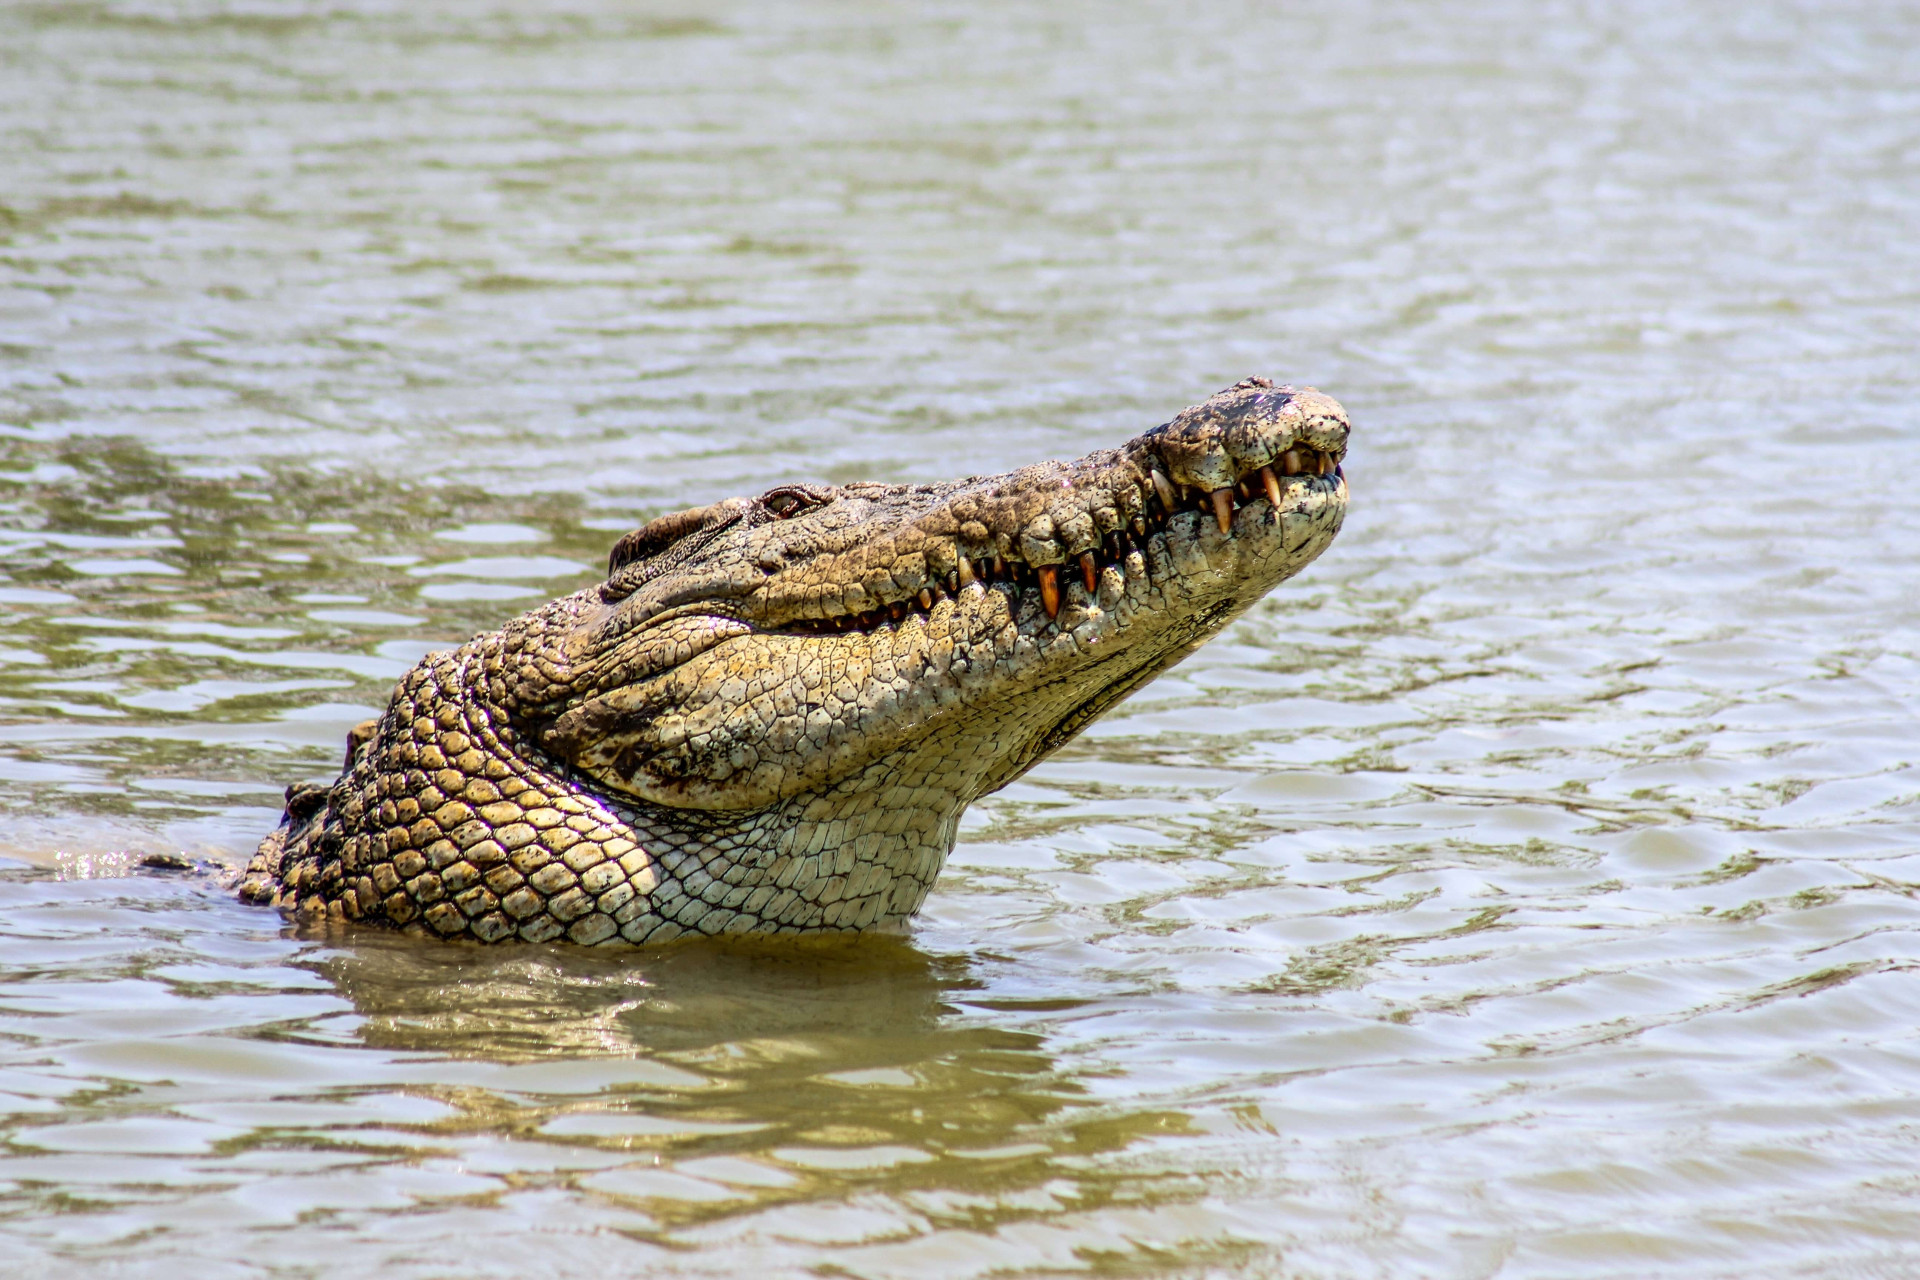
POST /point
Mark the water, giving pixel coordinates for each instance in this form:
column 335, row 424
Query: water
column 1529, row 890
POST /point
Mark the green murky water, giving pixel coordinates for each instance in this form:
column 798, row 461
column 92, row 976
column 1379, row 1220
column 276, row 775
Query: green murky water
column 1529, row 890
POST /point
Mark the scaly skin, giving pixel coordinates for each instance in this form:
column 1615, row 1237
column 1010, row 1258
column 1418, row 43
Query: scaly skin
column 770, row 716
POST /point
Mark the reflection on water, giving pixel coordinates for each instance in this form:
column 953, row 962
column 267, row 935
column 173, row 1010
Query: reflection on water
column 266, row 1082
column 749, row 1078
column 1530, row 890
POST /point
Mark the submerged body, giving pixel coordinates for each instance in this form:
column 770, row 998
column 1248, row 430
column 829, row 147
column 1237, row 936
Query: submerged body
column 771, row 715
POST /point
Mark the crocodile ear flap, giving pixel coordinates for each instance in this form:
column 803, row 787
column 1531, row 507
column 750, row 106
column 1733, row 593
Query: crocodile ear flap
column 656, row 535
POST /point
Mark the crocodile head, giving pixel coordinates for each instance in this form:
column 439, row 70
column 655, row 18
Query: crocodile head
column 792, row 698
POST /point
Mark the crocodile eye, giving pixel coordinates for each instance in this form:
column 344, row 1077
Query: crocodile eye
column 785, row 503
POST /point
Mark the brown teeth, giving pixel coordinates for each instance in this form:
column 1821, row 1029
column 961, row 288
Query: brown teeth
column 1272, row 484
column 1223, row 508
column 1164, row 487
column 1117, row 545
column 1049, row 575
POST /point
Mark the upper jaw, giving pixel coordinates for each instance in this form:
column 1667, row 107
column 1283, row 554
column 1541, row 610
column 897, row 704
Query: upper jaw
column 1045, row 527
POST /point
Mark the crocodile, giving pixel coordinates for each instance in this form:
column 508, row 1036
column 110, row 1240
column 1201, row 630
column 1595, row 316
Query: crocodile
column 771, row 714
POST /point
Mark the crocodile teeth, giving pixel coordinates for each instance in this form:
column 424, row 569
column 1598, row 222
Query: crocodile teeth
column 1049, row 575
column 1223, row 508
column 1164, row 487
column 1116, row 547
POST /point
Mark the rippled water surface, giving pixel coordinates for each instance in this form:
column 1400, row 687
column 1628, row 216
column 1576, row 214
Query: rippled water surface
column 1529, row 889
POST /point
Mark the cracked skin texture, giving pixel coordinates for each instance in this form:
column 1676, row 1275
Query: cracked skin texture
column 771, row 715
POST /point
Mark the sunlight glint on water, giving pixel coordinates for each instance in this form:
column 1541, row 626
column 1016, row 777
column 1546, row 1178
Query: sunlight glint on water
column 1529, row 889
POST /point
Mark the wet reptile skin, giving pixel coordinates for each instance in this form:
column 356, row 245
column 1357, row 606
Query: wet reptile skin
column 772, row 713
